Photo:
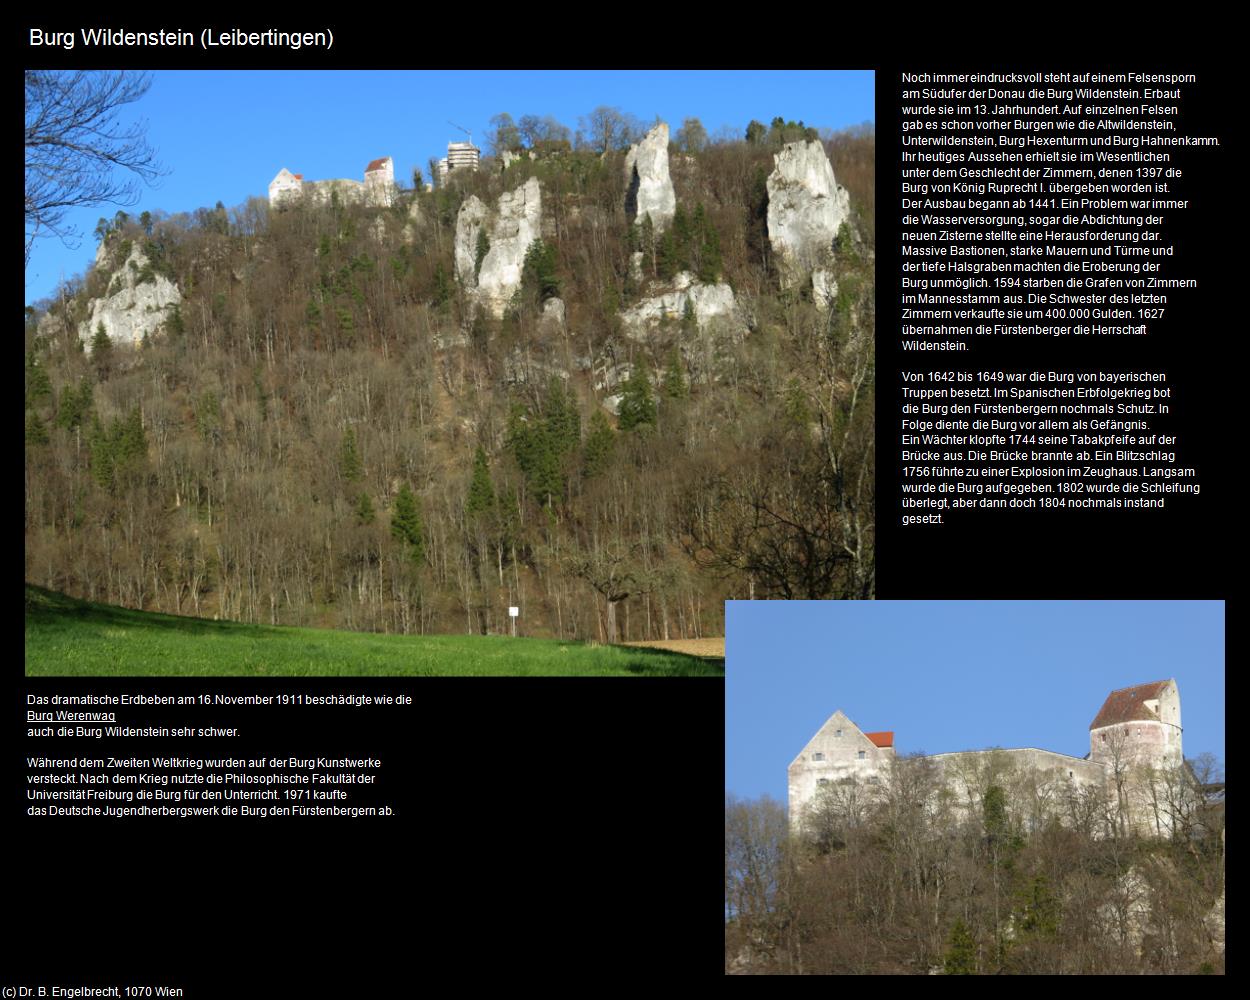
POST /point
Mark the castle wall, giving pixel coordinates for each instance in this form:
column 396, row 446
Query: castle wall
column 377, row 189
column 1133, row 778
column 1039, row 783
column 1060, row 766
column 323, row 192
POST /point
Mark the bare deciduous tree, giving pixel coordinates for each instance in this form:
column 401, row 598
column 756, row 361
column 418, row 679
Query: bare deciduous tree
column 74, row 143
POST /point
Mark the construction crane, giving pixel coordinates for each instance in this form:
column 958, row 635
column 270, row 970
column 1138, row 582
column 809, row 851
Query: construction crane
column 462, row 129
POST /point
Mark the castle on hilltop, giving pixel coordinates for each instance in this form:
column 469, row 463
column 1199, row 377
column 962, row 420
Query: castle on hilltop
column 1133, row 771
column 378, row 188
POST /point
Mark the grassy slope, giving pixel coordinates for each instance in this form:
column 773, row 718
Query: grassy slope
column 68, row 637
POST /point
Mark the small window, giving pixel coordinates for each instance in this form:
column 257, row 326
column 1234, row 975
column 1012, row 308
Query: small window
column 822, row 781
column 861, row 755
column 838, row 733
column 873, row 779
column 818, row 756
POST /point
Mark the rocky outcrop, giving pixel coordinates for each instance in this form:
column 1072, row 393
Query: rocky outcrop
column 806, row 208
column 635, row 264
column 824, row 289
column 138, row 301
column 510, row 229
column 523, row 366
column 469, row 222
column 1214, row 923
column 416, row 221
column 553, row 314
column 708, row 303
column 649, row 188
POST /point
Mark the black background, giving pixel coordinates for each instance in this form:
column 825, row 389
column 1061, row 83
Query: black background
column 546, row 830
column 1180, row 551
column 558, row 828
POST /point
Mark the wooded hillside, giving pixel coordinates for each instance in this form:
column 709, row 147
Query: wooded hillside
column 323, row 433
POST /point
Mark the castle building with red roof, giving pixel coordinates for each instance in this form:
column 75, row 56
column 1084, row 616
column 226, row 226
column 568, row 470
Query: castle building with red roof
column 378, row 188
column 1134, row 746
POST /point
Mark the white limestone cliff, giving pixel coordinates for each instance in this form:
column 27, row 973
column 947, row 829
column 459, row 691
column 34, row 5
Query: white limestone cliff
column 131, row 309
column 469, row 222
column 806, row 208
column 649, row 188
column 708, row 303
column 511, row 228
column 824, row 289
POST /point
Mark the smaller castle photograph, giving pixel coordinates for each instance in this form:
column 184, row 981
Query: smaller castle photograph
column 974, row 787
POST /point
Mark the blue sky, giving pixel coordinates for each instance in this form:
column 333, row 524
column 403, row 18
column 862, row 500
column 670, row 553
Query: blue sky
column 955, row 675
column 222, row 135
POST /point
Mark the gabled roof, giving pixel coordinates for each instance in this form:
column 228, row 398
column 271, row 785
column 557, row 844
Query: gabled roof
column 1129, row 705
column 881, row 739
column 378, row 164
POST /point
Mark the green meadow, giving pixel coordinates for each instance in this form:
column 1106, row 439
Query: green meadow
column 69, row 637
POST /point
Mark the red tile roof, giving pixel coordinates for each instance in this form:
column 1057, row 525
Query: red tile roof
column 881, row 739
column 299, row 177
column 377, row 164
column 1128, row 704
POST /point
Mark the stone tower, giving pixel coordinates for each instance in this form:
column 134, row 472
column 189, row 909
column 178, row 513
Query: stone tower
column 380, row 182
column 1140, row 725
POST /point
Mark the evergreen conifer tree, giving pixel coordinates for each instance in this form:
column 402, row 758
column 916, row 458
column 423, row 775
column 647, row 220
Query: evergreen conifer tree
column 101, row 352
column 73, row 406
column 961, row 954
column 38, row 385
column 406, row 524
column 349, row 461
column 600, row 441
column 637, row 404
column 675, row 386
column 481, row 500
column 36, row 433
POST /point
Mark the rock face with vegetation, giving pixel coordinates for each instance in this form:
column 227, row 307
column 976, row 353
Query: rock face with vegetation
column 470, row 222
column 649, row 188
column 806, row 208
column 139, row 300
column 702, row 304
column 495, row 276
column 503, row 391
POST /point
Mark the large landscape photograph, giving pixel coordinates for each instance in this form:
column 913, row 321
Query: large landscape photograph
column 442, row 372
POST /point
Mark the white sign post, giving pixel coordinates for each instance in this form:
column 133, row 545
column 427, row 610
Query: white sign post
column 513, row 613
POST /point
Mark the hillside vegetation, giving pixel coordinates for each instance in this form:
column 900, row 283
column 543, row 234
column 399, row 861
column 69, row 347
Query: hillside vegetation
column 1028, row 879
column 324, row 434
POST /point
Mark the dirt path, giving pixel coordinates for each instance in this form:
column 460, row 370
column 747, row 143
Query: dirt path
column 692, row 647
